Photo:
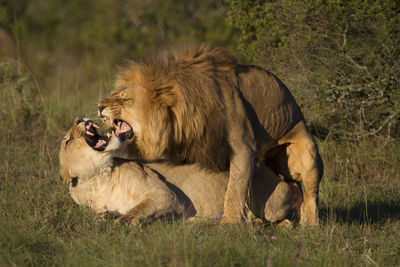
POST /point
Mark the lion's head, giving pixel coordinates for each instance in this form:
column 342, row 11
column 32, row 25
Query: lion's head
column 173, row 105
column 82, row 152
column 138, row 118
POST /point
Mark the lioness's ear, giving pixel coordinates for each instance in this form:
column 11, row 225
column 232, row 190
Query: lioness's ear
column 77, row 120
column 66, row 139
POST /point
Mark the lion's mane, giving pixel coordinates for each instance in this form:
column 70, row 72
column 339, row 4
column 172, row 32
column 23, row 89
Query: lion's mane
column 185, row 87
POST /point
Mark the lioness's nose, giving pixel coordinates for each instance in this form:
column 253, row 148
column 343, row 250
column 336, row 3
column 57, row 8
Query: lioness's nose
column 101, row 108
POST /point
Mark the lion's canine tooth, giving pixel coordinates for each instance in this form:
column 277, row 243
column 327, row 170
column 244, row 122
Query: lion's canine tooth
column 89, row 133
column 95, row 125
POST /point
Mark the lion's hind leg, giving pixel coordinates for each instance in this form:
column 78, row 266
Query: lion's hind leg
column 304, row 164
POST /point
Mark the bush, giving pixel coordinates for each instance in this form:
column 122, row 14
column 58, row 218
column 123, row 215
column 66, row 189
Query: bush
column 340, row 57
column 20, row 106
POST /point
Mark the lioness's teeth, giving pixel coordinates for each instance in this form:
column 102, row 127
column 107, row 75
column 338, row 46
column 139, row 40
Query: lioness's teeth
column 108, row 134
column 95, row 125
column 89, row 133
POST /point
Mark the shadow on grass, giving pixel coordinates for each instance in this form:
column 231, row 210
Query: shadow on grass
column 361, row 212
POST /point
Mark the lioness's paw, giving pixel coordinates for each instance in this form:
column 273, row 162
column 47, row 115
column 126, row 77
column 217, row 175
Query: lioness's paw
column 126, row 219
column 285, row 223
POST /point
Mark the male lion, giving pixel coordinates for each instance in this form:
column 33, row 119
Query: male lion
column 141, row 192
column 196, row 104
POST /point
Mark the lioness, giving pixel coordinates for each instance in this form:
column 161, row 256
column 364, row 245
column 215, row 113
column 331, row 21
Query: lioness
column 196, row 104
column 141, row 192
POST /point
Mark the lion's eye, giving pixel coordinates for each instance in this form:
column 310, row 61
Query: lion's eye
column 128, row 101
column 126, row 93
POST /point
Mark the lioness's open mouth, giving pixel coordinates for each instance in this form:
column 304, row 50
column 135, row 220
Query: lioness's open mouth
column 93, row 139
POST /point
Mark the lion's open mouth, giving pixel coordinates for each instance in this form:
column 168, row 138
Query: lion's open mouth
column 121, row 129
column 93, row 139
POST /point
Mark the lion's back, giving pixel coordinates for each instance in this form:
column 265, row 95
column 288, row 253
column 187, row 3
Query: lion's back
column 269, row 103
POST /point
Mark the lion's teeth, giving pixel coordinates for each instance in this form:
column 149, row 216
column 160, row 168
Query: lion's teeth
column 89, row 133
column 95, row 125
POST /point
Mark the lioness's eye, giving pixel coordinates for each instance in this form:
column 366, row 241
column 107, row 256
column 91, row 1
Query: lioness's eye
column 74, row 181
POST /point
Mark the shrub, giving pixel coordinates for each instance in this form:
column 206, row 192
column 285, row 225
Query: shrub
column 340, row 57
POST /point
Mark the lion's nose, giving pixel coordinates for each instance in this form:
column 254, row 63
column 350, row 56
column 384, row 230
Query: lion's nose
column 101, row 108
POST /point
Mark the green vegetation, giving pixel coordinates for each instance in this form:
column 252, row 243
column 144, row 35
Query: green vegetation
column 340, row 59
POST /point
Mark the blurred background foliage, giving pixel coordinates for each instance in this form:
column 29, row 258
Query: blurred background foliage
column 340, row 58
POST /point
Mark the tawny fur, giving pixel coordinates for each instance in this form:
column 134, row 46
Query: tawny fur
column 196, row 104
column 142, row 192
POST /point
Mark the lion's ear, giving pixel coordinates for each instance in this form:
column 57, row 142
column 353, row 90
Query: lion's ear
column 167, row 96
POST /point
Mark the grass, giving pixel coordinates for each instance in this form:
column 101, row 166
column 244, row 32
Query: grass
column 40, row 225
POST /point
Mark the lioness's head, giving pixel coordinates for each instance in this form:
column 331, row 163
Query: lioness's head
column 82, row 153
